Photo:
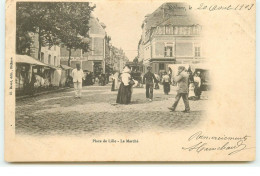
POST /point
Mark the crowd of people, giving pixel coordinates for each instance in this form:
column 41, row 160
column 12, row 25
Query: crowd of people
column 188, row 84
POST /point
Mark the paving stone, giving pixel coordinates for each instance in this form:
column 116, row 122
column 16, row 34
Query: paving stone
column 96, row 113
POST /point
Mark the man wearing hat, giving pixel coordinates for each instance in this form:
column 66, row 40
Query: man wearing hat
column 77, row 75
column 149, row 80
column 182, row 89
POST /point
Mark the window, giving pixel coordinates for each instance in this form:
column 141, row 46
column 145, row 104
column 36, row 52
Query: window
column 54, row 47
column 197, row 29
column 42, row 56
column 184, row 30
column 168, row 30
column 160, row 30
column 194, row 30
column 176, row 30
column 49, row 59
column 168, row 51
column 189, row 30
column 55, row 61
column 161, row 66
column 197, row 51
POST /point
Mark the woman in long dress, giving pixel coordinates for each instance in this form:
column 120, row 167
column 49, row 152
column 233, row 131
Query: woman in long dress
column 125, row 92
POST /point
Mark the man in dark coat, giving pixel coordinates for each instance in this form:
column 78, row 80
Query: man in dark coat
column 149, row 80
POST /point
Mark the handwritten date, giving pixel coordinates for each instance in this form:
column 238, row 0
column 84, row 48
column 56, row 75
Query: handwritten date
column 203, row 6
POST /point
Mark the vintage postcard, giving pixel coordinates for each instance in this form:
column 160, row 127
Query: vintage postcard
column 143, row 80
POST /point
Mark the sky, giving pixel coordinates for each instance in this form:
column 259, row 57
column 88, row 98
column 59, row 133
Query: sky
column 123, row 22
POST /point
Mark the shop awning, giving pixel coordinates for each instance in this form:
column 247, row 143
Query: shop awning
column 52, row 67
column 28, row 60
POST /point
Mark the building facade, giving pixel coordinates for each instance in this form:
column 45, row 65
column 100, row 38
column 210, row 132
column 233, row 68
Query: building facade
column 49, row 54
column 103, row 56
column 94, row 60
column 118, row 59
column 170, row 35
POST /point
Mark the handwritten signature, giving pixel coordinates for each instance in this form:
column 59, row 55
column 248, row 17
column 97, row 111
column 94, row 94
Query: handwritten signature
column 231, row 144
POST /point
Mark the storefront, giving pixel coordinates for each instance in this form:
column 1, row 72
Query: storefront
column 34, row 76
column 25, row 76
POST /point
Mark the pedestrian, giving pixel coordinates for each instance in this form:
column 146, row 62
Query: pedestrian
column 84, row 83
column 115, row 81
column 191, row 92
column 92, row 79
column 170, row 75
column 102, row 79
column 107, row 78
column 166, row 83
column 125, row 92
column 31, row 89
column 97, row 80
column 77, row 75
column 182, row 89
column 191, row 78
column 141, row 80
column 149, row 80
column 197, row 83
column 88, row 79
column 156, row 82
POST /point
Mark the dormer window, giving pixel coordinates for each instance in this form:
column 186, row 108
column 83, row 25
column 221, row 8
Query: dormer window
column 168, row 30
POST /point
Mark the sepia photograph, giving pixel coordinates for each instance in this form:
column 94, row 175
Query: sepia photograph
column 72, row 79
column 130, row 81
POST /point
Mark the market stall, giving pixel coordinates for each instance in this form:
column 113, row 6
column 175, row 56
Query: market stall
column 33, row 75
column 26, row 66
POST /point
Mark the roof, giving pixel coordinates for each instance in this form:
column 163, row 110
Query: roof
column 179, row 21
column 95, row 26
column 28, row 60
column 103, row 25
column 170, row 13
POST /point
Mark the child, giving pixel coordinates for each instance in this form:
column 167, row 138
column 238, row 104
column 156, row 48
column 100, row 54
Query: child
column 191, row 92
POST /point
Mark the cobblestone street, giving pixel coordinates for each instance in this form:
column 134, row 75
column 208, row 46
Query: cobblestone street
column 59, row 113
